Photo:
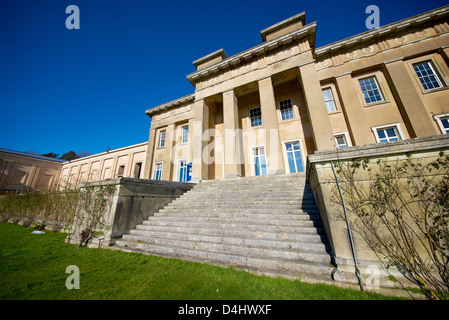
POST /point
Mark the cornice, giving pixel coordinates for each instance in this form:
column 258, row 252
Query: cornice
column 174, row 103
column 250, row 54
column 382, row 31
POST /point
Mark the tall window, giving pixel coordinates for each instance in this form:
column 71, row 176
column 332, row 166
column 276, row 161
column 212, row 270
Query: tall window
column 121, row 171
column 137, row 169
column 260, row 163
column 162, row 139
column 255, row 116
column 329, row 100
column 182, row 170
column 157, row 175
column 370, row 89
column 427, row 75
column 294, row 159
column 184, row 134
column 286, row 108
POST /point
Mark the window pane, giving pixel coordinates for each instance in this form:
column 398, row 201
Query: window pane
column 388, row 134
column 445, row 122
column 162, row 139
column 370, row 89
column 263, row 165
column 291, row 162
column 286, row 108
column 329, row 100
column 256, row 166
column 185, row 134
column 341, row 141
column 298, row 159
column 255, row 116
column 427, row 75
column 391, row 132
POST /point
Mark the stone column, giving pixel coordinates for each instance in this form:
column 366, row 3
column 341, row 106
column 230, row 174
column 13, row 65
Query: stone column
column 358, row 126
column 273, row 148
column 413, row 110
column 149, row 156
column 200, row 124
column 233, row 144
column 316, row 107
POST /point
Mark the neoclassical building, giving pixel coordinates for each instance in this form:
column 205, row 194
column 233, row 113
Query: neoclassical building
column 264, row 110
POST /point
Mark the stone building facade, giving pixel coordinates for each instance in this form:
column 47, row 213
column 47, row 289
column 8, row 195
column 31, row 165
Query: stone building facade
column 265, row 110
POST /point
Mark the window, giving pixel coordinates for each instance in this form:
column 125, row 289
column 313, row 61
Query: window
column 137, row 169
column 184, row 134
column 370, row 89
column 157, row 175
column 427, row 75
column 286, row 108
column 182, row 170
column 294, row 157
column 388, row 133
column 121, row 170
column 162, row 139
column 255, row 116
column 260, row 163
column 443, row 122
column 340, row 141
column 329, row 100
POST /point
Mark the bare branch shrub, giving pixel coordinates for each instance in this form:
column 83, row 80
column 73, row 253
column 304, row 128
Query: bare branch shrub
column 401, row 209
column 95, row 202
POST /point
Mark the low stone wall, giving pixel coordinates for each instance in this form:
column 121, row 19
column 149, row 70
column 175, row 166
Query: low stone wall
column 133, row 201
column 322, row 182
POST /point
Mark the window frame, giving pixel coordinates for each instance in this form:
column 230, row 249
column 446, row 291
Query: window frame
column 121, row 170
column 162, row 140
column 345, row 135
column 333, row 99
column 291, row 108
column 436, row 74
column 301, row 149
column 182, row 134
column 252, row 162
column 250, row 119
column 396, row 126
column 178, row 170
column 381, row 93
column 155, row 170
column 437, row 118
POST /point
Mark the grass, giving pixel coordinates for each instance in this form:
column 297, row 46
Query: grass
column 33, row 266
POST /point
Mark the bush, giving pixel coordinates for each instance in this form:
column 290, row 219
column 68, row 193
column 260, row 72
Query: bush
column 401, row 209
column 55, row 208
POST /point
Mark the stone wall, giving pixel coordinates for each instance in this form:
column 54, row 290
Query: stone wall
column 323, row 184
column 133, row 201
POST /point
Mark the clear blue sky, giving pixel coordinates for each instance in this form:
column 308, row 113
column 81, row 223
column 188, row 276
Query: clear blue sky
column 88, row 89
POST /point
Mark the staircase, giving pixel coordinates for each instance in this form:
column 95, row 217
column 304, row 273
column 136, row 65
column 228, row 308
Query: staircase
column 269, row 225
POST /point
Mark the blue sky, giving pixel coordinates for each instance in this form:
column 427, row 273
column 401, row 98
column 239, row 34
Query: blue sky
column 87, row 89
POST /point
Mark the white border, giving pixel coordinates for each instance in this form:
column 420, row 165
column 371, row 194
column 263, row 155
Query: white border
column 438, row 120
column 397, row 126
column 301, row 149
column 154, row 169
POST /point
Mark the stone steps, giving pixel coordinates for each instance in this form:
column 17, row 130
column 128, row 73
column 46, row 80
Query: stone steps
column 267, row 225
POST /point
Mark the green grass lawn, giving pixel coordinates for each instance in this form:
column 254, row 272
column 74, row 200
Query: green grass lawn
column 33, row 266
